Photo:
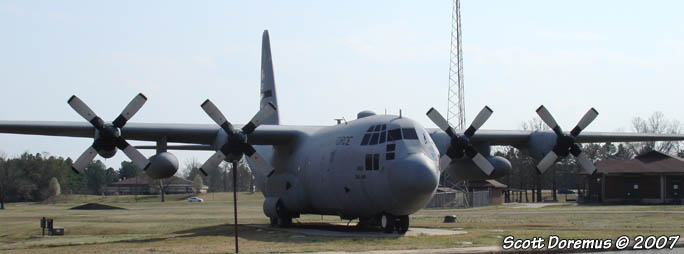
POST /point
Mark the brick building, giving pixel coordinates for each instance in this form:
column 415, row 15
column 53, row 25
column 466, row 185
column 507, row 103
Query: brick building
column 651, row 178
column 143, row 184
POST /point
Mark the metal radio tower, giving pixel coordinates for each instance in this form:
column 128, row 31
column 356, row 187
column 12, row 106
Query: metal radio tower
column 456, row 108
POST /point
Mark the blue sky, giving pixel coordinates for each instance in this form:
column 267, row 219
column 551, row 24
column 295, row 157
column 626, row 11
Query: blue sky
column 334, row 59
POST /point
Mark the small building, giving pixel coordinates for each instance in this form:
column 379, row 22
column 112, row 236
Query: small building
column 651, row 178
column 143, row 184
column 494, row 187
column 479, row 193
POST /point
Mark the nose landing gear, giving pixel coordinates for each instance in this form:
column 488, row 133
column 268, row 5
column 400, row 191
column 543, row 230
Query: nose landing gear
column 389, row 223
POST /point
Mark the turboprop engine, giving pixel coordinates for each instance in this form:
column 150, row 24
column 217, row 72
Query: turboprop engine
column 108, row 135
column 551, row 146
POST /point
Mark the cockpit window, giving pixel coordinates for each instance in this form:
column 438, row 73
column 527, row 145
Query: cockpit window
column 377, row 134
column 409, row 133
column 374, row 139
column 394, row 134
column 365, row 139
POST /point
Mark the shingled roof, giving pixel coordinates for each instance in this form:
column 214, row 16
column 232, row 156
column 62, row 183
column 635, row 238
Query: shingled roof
column 651, row 162
column 144, row 179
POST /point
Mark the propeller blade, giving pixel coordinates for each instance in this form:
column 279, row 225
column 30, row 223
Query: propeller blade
column 138, row 158
column 483, row 164
column 212, row 162
column 479, row 160
column 130, row 110
column 548, row 119
column 258, row 162
column 259, row 118
column 444, row 162
column 584, row 122
column 84, row 160
column 217, row 116
column 585, row 163
column 82, row 109
column 439, row 120
column 547, row 162
column 479, row 120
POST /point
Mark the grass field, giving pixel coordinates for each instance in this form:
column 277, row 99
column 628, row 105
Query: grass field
column 176, row 226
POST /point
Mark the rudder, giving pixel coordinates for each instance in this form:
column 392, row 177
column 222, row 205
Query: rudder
column 268, row 91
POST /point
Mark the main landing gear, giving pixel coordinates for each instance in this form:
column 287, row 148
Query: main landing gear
column 284, row 218
column 389, row 223
column 282, row 222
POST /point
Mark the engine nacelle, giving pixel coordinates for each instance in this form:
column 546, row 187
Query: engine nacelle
column 162, row 165
column 465, row 169
column 541, row 143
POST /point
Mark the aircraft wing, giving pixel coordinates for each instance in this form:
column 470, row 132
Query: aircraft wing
column 521, row 138
column 204, row 134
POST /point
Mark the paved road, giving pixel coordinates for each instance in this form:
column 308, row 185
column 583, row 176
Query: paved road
column 476, row 250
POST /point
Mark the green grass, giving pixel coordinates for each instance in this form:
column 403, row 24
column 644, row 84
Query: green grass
column 177, row 226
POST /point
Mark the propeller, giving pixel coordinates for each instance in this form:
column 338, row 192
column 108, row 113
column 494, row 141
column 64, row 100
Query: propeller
column 565, row 143
column 236, row 144
column 460, row 144
column 108, row 136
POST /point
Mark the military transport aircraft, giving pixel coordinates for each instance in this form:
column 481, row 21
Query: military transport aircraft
column 377, row 168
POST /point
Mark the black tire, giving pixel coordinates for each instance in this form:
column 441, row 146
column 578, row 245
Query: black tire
column 387, row 222
column 274, row 221
column 402, row 224
column 284, row 222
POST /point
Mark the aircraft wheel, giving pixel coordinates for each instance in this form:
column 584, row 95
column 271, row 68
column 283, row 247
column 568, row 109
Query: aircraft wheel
column 284, row 222
column 387, row 222
column 274, row 221
column 402, row 224
column 283, row 219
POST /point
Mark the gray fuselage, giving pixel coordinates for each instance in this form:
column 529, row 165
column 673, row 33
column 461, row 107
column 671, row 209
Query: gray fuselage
column 372, row 165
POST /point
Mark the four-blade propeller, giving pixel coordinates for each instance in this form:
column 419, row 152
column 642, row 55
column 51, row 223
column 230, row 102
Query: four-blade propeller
column 236, row 144
column 565, row 144
column 108, row 136
column 460, row 144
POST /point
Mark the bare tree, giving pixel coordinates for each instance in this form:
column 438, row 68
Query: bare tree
column 191, row 168
column 656, row 123
column 54, row 189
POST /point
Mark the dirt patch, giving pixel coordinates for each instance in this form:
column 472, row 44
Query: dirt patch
column 96, row 206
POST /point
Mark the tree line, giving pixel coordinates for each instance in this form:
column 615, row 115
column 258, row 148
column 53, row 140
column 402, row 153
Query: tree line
column 29, row 177
column 220, row 179
column 39, row 176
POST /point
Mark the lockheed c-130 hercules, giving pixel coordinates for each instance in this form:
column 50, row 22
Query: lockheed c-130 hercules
column 377, row 168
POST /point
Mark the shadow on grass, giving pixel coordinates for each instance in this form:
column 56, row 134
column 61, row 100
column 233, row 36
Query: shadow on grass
column 258, row 233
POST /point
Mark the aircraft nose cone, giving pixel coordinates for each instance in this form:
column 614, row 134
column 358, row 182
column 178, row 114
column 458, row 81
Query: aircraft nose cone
column 413, row 178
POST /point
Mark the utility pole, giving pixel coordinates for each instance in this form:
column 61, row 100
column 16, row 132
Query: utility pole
column 235, row 165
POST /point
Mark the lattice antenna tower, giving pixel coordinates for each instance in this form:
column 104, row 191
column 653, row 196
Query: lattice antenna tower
column 456, row 103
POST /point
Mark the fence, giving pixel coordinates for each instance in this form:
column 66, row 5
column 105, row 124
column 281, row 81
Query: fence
column 460, row 199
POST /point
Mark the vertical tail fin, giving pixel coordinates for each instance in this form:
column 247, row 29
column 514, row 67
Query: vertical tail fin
column 268, row 91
